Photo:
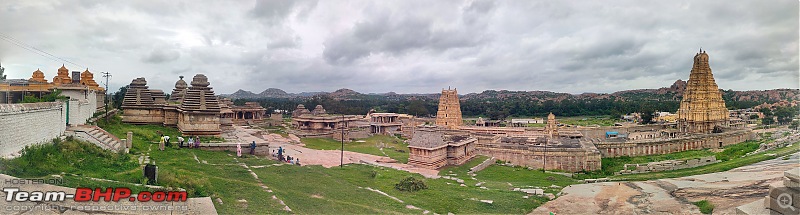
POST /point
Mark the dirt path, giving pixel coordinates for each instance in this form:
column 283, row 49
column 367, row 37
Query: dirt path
column 725, row 190
column 326, row 158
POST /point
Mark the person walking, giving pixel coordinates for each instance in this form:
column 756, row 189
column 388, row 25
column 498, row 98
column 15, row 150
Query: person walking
column 161, row 143
column 253, row 148
column 238, row 149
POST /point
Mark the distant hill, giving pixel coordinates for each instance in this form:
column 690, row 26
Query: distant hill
column 672, row 93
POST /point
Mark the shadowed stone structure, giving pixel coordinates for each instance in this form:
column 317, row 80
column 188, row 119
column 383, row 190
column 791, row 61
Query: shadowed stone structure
column 702, row 107
column 199, row 110
column 449, row 113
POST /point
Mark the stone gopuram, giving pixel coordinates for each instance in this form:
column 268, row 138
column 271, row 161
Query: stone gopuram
column 702, row 108
column 449, row 113
column 199, row 110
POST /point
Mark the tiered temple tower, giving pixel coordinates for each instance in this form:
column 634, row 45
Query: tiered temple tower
column 449, row 113
column 139, row 106
column 200, row 109
column 62, row 77
column 702, row 107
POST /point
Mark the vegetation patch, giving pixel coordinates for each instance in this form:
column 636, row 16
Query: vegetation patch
column 410, row 184
column 705, row 206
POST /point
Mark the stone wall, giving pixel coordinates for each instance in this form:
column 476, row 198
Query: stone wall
column 666, row 146
column 27, row 124
column 567, row 159
column 600, row 132
column 667, row 165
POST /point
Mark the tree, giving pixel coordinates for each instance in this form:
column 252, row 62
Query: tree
column 767, row 121
column 754, row 116
column 119, row 96
column 785, row 114
column 2, row 71
column 794, row 125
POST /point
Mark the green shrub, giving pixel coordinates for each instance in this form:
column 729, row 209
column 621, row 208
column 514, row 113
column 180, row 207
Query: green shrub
column 410, row 184
column 705, row 206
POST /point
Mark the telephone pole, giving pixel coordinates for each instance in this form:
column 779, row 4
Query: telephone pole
column 105, row 97
column 341, row 159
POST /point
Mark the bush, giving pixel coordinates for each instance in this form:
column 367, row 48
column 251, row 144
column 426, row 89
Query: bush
column 410, row 184
column 705, row 206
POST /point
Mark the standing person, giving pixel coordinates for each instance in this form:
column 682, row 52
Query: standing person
column 253, row 148
column 191, row 142
column 280, row 153
column 161, row 143
column 180, row 142
column 238, row 149
column 196, row 142
column 166, row 140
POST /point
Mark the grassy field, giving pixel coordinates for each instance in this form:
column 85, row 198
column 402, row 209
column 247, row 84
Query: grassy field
column 394, row 147
column 588, row 120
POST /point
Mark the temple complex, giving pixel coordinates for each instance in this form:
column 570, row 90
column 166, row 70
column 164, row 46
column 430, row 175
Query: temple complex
column 319, row 122
column 433, row 149
column 199, row 111
column 194, row 110
column 449, row 113
column 702, row 108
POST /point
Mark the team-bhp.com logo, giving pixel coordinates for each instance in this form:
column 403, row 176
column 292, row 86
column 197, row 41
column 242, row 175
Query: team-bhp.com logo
column 83, row 194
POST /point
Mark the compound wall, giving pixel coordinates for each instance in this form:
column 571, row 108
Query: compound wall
column 27, row 124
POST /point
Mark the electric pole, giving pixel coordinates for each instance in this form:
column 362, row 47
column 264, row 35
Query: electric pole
column 105, row 97
column 341, row 159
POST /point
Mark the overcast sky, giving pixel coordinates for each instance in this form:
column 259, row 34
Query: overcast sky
column 407, row 46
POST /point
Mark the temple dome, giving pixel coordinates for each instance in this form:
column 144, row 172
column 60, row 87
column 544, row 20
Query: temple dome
column 181, row 84
column 200, row 80
column 38, row 76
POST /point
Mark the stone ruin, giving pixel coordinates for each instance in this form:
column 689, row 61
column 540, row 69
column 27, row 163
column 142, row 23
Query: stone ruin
column 667, row 165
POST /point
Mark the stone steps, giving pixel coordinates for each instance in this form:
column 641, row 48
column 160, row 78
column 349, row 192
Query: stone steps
column 98, row 136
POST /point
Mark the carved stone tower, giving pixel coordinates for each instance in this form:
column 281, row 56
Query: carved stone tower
column 552, row 127
column 449, row 113
column 702, row 107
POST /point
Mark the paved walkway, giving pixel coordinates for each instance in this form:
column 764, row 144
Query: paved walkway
column 725, row 190
column 326, row 158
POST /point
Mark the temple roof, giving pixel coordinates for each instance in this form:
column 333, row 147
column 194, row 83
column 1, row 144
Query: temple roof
column 138, row 94
column 199, row 97
column 38, row 76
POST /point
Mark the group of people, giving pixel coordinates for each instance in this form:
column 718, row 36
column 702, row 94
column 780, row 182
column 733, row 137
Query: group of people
column 282, row 156
column 192, row 142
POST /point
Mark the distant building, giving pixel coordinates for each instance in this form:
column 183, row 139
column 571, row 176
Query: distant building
column 433, row 150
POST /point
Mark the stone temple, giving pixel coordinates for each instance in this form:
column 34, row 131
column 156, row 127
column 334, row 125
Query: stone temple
column 449, row 113
column 702, row 108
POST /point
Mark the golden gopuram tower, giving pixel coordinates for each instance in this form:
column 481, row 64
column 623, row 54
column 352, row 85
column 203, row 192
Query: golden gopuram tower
column 449, row 113
column 702, row 107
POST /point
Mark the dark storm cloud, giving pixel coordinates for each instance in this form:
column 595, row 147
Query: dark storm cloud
column 410, row 46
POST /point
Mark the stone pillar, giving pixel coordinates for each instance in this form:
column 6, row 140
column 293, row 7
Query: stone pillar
column 129, row 141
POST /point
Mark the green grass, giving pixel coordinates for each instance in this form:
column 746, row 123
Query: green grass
column 705, row 206
column 588, row 120
column 344, row 192
column 394, row 147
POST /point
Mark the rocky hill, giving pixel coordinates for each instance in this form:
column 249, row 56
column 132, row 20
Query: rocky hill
column 672, row 93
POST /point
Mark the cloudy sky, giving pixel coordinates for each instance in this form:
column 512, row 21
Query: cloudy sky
column 406, row 46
